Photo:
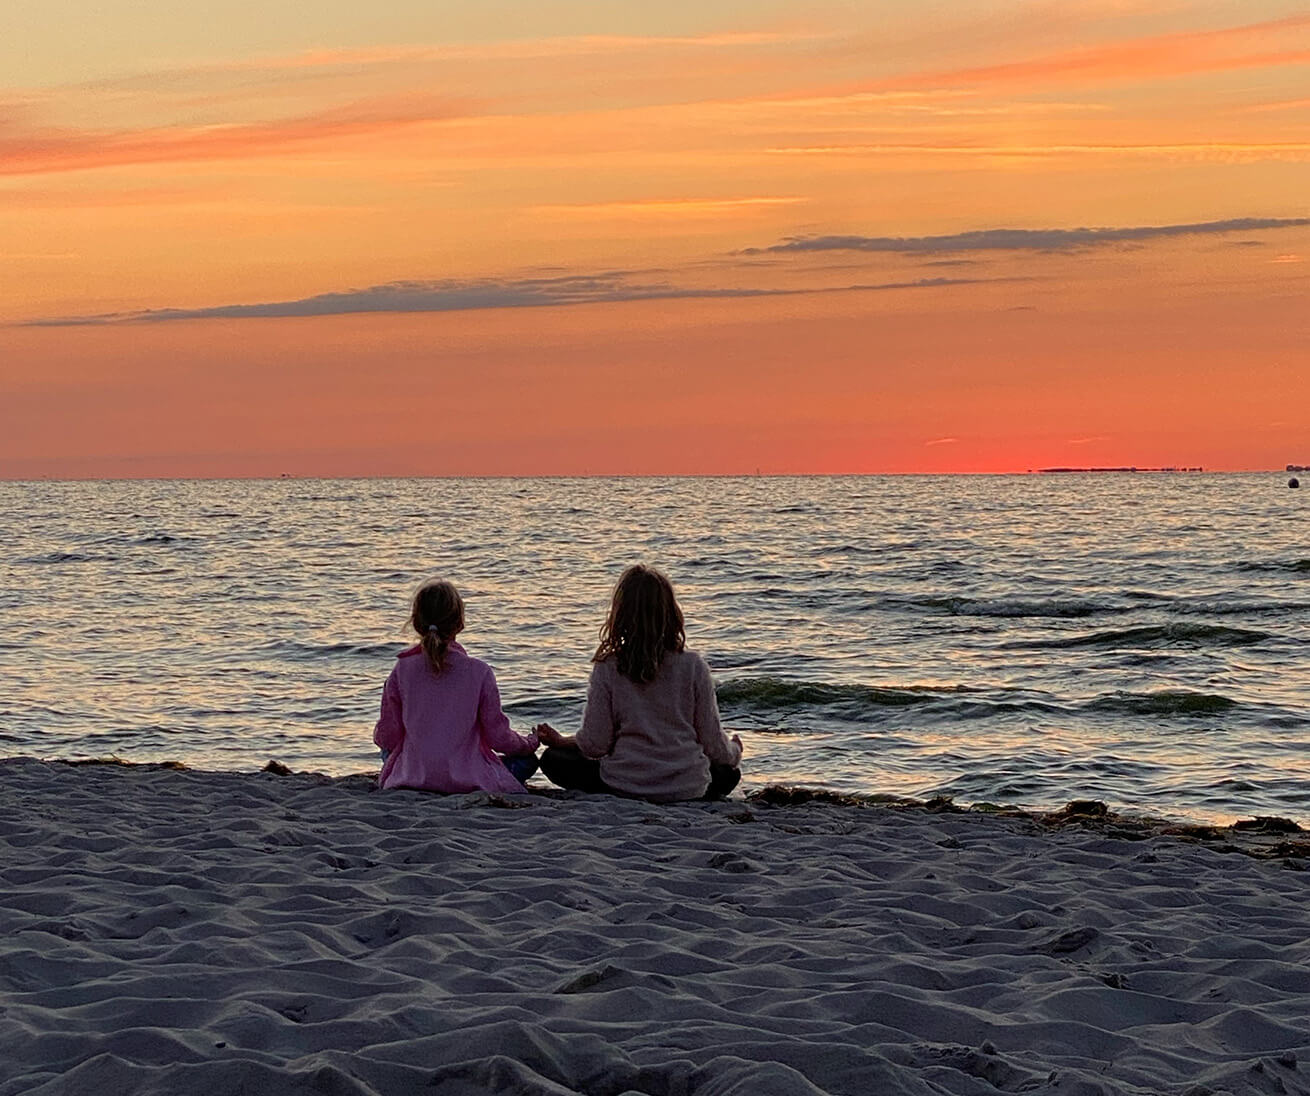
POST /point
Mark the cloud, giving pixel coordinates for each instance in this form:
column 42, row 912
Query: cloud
column 557, row 289
column 1145, row 58
column 670, row 207
column 52, row 150
column 1024, row 239
column 510, row 49
column 1231, row 152
column 1278, row 104
column 590, row 86
column 454, row 295
column 261, row 106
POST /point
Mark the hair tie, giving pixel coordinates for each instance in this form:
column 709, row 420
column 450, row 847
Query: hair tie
column 433, row 629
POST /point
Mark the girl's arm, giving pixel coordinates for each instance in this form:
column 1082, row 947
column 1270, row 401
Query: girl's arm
column 494, row 723
column 596, row 737
column 389, row 732
column 718, row 747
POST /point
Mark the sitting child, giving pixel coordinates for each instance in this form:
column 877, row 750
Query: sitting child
column 651, row 725
column 442, row 728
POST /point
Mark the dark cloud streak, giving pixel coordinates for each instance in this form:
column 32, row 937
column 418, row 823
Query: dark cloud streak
column 1023, row 239
column 464, row 296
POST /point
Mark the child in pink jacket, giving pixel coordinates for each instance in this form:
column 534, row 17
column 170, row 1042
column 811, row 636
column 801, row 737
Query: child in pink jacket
column 442, row 728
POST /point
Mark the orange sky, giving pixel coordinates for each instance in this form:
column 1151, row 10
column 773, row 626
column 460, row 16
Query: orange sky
column 921, row 237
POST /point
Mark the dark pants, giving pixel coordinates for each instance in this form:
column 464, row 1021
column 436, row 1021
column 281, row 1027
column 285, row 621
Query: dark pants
column 521, row 766
column 566, row 766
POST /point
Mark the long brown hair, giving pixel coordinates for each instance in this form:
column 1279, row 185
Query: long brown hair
column 644, row 622
column 438, row 617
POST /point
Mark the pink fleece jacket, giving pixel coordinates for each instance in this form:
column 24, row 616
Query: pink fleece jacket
column 443, row 730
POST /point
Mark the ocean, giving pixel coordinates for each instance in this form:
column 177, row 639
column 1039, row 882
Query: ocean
column 1027, row 640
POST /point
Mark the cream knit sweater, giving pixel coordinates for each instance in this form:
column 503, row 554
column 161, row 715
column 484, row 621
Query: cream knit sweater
column 656, row 740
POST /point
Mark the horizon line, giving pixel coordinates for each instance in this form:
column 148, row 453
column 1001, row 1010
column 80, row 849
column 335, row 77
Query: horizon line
column 1125, row 470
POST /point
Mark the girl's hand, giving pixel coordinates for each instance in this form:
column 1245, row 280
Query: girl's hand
column 547, row 735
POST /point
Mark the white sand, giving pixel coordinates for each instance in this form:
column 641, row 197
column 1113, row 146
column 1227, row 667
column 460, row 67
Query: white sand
column 200, row 933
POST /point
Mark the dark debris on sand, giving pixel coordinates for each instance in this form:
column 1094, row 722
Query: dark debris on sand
column 1264, row 837
column 1255, row 837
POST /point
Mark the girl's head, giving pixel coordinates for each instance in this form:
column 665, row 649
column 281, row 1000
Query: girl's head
column 644, row 622
column 438, row 617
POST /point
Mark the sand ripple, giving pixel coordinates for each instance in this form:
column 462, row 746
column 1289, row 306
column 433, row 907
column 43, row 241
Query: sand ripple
column 166, row 932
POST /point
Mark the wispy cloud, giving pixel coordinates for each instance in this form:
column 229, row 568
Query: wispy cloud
column 1144, row 58
column 453, row 295
column 264, row 106
column 772, row 89
column 669, row 207
column 1281, row 104
column 1025, row 239
column 960, row 102
column 1222, row 151
column 54, row 150
column 510, row 49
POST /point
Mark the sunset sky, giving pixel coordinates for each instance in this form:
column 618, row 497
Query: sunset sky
column 493, row 237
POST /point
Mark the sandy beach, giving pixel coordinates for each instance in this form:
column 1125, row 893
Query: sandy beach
column 170, row 931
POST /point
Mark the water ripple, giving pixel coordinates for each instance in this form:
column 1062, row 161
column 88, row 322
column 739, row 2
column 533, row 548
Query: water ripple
column 1019, row 639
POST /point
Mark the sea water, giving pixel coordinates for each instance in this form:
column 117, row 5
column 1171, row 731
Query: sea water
column 1138, row 638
